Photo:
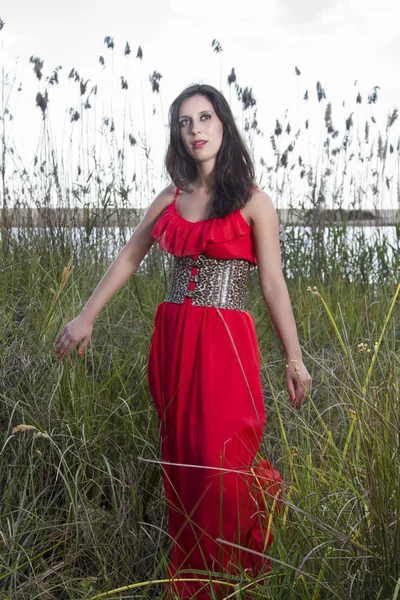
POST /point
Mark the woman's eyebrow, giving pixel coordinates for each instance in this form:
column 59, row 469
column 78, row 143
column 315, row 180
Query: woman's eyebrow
column 200, row 113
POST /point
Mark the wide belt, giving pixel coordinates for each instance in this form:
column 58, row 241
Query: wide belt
column 209, row 281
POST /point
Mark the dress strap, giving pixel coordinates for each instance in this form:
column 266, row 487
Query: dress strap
column 176, row 193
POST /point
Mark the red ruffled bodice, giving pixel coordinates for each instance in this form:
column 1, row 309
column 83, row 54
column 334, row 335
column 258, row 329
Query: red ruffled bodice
column 221, row 237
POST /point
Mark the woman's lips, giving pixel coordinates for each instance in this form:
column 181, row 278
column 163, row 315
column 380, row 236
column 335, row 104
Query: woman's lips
column 199, row 144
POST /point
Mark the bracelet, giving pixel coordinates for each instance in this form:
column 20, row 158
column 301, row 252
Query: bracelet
column 294, row 363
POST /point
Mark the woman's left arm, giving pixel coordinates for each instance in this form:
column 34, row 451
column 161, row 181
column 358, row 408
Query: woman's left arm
column 265, row 226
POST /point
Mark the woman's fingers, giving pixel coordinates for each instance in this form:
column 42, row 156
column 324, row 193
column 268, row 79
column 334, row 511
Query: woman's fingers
column 61, row 341
column 63, row 344
column 303, row 388
column 69, row 337
column 298, row 384
column 300, row 396
column 60, row 337
column 66, row 350
column 83, row 346
column 291, row 388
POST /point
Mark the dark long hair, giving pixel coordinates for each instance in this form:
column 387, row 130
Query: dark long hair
column 233, row 175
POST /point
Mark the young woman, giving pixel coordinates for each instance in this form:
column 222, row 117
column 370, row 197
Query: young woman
column 204, row 366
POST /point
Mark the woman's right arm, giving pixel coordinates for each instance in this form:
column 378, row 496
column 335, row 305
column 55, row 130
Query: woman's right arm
column 126, row 263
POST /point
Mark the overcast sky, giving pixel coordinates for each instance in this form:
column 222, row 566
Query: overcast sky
column 335, row 42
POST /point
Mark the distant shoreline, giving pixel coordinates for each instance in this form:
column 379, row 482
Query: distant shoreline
column 129, row 217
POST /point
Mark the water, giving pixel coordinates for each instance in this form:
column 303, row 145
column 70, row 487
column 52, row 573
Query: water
column 358, row 251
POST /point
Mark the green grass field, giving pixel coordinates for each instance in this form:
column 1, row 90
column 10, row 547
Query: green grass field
column 82, row 510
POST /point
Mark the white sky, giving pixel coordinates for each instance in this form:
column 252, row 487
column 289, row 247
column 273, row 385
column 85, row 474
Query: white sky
column 332, row 41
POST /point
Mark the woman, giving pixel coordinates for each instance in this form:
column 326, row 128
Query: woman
column 204, row 367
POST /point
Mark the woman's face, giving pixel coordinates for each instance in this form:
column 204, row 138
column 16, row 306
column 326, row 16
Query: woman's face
column 198, row 121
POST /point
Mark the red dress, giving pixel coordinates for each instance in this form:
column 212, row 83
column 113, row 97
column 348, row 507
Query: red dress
column 204, row 378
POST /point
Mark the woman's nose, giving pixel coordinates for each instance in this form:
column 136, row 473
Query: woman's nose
column 196, row 128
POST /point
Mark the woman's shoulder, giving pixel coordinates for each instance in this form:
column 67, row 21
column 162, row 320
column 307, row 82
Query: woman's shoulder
column 166, row 196
column 258, row 203
column 162, row 201
column 157, row 207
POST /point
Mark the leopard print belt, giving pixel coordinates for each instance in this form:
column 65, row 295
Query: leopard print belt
column 218, row 283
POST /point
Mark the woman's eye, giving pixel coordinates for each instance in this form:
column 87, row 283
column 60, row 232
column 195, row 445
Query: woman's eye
column 182, row 123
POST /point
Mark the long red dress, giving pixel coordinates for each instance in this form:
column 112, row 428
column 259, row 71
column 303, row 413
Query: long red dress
column 204, row 378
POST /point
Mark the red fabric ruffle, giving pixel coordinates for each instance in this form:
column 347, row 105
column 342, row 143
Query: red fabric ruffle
column 221, row 237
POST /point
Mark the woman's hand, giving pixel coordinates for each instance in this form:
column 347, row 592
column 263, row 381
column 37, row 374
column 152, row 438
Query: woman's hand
column 298, row 382
column 75, row 331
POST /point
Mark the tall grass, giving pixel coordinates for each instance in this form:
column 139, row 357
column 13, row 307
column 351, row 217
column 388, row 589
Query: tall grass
column 82, row 510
